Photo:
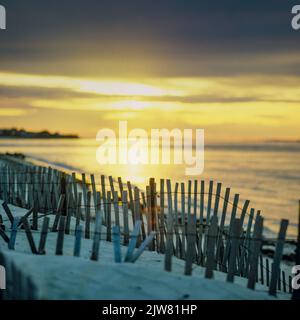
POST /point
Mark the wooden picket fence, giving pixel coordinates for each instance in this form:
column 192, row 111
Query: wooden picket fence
column 193, row 222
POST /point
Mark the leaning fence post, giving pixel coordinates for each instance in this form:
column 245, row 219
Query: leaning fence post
column 13, row 234
column 29, row 236
column 133, row 240
column 3, row 235
column 143, row 246
column 58, row 212
column 8, row 212
column 277, row 257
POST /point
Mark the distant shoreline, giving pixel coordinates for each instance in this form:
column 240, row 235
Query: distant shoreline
column 44, row 138
column 24, row 134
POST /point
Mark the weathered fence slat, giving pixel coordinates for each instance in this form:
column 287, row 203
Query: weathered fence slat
column 88, row 215
column 153, row 197
column 3, row 235
column 183, row 226
column 191, row 244
column 267, row 272
column 74, row 184
column 277, row 257
column 169, row 242
column 8, row 212
column 43, row 237
column 98, row 225
column 58, row 212
column 93, row 183
column 111, row 183
column 131, row 202
column 228, row 241
column 137, row 213
column 29, row 236
column 201, row 224
column 116, row 208
column 243, row 265
column 35, row 212
column 121, row 188
column 125, row 217
column 290, row 285
column 189, row 199
column 261, row 265
column 108, row 217
column 244, row 211
column 143, row 246
column 133, row 240
column 217, row 198
column 13, row 234
column 26, row 216
column 254, row 252
column 162, row 247
column 211, row 242
column 103, row 190
column 234, row 245
column 176, row 222
column 60, row 236
column 77, row 244
column 209, row 200
column 222, row 224
column 78, row 209
column 149, row 223
column 117, row 245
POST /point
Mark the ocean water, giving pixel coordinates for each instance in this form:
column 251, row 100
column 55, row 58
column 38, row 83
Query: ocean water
column 268, row 174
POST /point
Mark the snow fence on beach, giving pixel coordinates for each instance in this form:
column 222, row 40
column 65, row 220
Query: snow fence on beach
column 196, row 233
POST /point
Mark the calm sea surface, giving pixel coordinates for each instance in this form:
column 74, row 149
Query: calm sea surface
column 267, row 174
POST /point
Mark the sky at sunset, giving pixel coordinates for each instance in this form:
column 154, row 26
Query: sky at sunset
column 230, row 67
